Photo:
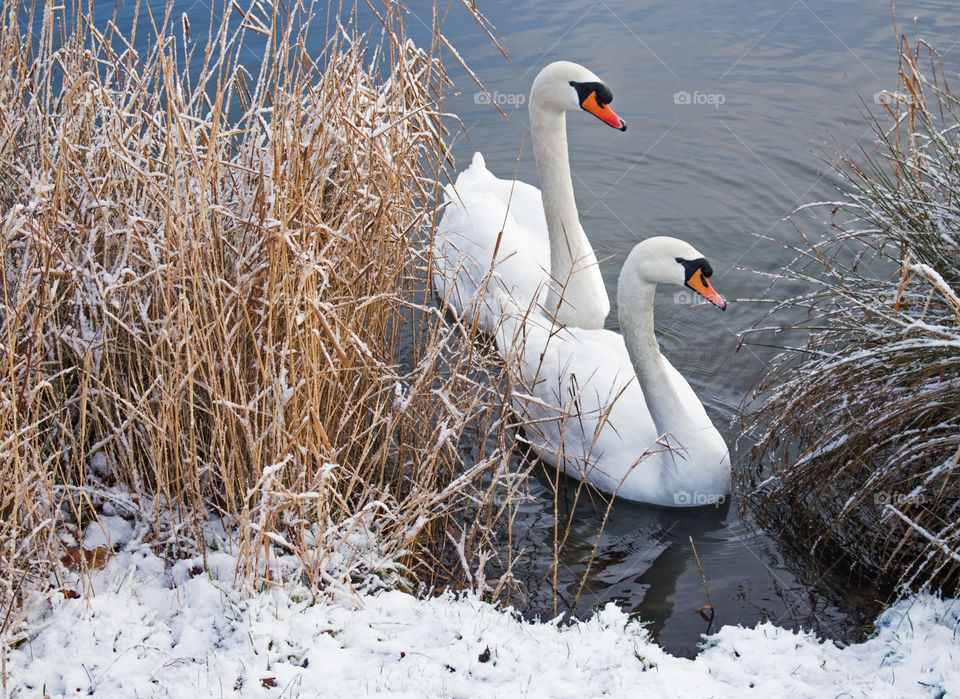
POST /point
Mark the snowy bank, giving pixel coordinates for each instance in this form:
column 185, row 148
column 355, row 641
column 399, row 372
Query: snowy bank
column 145, row 630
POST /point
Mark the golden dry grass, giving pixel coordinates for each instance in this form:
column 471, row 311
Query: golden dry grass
column 214, row 299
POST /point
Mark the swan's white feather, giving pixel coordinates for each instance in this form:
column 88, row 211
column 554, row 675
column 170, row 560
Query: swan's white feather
column 585, row 414
column 479, row 206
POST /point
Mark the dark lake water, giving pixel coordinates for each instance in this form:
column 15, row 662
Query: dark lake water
column 767, row 82
column 726, row 103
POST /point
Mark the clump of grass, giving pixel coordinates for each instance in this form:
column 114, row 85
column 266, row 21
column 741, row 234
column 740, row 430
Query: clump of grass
column 860, row 427
column 213, row 302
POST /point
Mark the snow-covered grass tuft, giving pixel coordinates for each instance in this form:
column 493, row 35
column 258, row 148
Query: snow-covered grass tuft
column 213, row 288
column 861, row 425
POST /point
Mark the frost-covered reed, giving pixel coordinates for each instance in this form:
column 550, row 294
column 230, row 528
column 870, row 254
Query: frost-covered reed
column 858, row 430
column 213, row 303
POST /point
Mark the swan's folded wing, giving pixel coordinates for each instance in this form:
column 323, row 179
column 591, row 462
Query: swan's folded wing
column 579, row 398
column 470, row 232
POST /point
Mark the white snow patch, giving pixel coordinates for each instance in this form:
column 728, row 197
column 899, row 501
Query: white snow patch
column 151, row 631
column 110, row 531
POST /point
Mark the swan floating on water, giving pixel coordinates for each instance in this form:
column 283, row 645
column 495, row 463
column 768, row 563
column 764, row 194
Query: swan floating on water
column 542, row 254
column 610, row 408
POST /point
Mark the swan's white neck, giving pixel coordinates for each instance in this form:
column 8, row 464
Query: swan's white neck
column 698, row 459
column 577, row 297
column 635, row 302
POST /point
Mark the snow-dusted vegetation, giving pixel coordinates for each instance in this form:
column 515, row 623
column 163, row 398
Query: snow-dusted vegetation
column 213, row 296
column 861, row 425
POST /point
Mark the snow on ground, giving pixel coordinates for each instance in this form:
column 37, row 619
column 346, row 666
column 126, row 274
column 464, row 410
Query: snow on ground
column 149, row 631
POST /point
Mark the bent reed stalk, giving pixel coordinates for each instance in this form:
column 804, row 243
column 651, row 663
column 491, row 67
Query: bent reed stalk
column 857, row 432
column 214, row 304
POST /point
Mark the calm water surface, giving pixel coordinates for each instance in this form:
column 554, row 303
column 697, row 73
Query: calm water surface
column 767, row 83
column 726, row 103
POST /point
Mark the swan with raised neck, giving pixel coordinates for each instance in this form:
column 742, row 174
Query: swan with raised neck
column 576, row 295
column 506, row 236
column 670, row 261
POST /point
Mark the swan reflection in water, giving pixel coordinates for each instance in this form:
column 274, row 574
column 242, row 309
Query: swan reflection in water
column 622, row 552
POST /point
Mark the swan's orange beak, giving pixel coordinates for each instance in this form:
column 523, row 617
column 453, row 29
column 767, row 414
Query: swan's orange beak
column 699, row 283
column 604, row 113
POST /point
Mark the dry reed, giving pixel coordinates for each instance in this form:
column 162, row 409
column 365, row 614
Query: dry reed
column 214, row 308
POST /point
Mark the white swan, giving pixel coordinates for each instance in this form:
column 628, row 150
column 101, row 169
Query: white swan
column 542, row 239
column 610, row 408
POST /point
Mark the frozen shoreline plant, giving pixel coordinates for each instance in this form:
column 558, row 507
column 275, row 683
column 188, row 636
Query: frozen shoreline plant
column 857, row 431
column 213, row 314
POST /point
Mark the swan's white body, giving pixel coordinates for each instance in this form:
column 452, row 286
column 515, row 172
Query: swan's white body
column 531, row 244
column 610, row 408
